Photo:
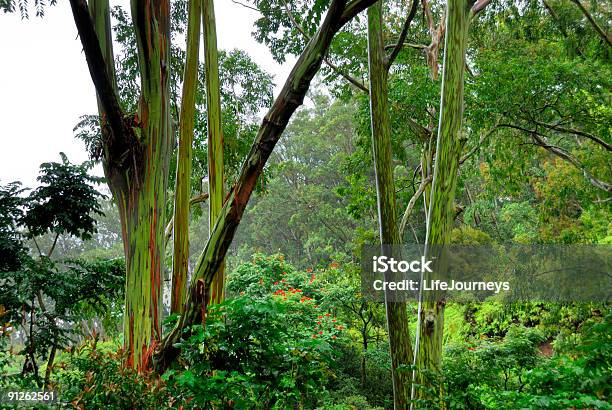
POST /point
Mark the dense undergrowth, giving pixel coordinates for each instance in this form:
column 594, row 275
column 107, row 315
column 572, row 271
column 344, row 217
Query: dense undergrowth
column 287, row 339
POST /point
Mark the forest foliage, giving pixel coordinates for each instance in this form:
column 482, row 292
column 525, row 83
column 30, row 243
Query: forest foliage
column 295, row 329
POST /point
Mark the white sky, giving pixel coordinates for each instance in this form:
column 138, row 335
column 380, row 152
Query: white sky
column 45, row 84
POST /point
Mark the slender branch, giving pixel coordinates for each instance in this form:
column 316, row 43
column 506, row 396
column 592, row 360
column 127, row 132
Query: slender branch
column 402, row 37
column 246, row 6
column 326, row 59
column 36, row 244
column 195, row 200
column 409, row 45
column 97, row 67
column 541, row 141
column 346, row 76
column 472, row 151
column 421, row 132
column 411, row 203
column 479, row 6
column 53, row 246
column 596, row 26
column 575, row 131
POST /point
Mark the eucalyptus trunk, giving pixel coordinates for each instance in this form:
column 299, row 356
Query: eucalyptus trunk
column 273, row 125
column 180, row 261
column 397, row 318
column 136, row 153
column 215, row 136
column 441, row 214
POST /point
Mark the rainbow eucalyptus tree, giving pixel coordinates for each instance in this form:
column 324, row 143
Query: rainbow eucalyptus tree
column 136, row 152
column 441, row 213
column 136, row 149
column 379, row 64
column 289, row 99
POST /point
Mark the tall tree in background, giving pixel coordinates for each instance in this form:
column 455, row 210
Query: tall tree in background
column 180, row 262
column 441, row 214
column 215, row 135
column 397, row 318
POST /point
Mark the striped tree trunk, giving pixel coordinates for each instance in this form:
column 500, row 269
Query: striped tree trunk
column 135, row 156
column 441, row 213
column 215, row 136
column 180, row 261
column 397, row 318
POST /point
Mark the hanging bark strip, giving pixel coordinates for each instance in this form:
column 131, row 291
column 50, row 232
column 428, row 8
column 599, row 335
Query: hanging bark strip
column 180, row 261
column 136, row 154
column 274, row 123
column 397, row 318
column 215, row 135
column 441, row 212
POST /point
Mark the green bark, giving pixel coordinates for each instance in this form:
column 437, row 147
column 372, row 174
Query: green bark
column 180, row 261
column 215, row 135
column 441, row 213
column 397, row 319
column 136, row 153
column 140, row 187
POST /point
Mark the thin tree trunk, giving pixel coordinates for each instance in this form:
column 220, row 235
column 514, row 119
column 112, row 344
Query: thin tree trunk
column 180, row 261
column 397, row 318
column 215, row 135
column 441, row 201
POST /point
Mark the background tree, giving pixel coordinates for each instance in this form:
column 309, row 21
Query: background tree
column 43, row 298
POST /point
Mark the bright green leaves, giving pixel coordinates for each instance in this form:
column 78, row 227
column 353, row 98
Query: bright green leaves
column 270, row 347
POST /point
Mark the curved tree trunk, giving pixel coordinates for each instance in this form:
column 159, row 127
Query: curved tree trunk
column 274, row 123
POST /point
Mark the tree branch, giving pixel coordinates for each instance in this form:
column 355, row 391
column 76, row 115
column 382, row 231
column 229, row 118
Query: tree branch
column 596, row 26
column 409, row 45
column 574, row 131
column 97, row 68
column 411, row 203
column 421, row 132
column 246, row 6
column 326, row 59
column 471, row 152
column 541, row 141
column 479, row 6
column 402, row 37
